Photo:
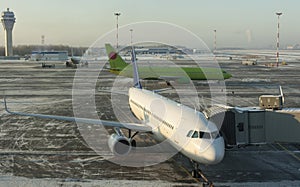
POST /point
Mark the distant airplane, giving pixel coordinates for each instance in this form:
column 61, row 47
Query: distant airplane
column 75, row 61
column 120, row 67
column 186, row 129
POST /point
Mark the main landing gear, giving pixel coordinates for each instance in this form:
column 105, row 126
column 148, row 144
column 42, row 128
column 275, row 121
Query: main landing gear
column 133, row 142
column 196, row 173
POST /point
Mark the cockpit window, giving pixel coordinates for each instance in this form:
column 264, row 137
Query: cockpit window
column 195, row 135
column 204, row 135
column 215, row 135
column 201, row 134
column 189, row 134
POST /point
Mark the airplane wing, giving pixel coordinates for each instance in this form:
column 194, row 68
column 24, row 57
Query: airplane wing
column 131, row 126
column 118, row 92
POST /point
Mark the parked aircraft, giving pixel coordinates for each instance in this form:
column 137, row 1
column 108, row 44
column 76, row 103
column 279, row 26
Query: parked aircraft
column 120, row 67
column 186, row 129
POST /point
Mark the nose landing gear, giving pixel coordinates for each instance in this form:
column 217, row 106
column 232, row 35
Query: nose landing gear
column 197, row 173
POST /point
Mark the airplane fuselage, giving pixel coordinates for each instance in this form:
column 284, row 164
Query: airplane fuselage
column 185, row 128
column 193, row 73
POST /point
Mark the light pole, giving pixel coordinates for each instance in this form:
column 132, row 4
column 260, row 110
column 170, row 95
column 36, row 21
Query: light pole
column 117, row 14
column 43, row 42
column 131, row 30
column 277, row 54
column 215, row 42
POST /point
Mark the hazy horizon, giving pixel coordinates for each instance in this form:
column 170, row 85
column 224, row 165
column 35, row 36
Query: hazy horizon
column 239, row 24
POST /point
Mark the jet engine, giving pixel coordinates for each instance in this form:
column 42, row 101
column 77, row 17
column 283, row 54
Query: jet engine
column 119, row 144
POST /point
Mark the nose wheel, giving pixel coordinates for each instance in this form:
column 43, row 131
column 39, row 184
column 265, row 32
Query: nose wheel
column 196, row 169
column 197, row 173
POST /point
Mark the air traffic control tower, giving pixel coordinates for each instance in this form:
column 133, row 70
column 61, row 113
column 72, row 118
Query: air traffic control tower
column 8, row 20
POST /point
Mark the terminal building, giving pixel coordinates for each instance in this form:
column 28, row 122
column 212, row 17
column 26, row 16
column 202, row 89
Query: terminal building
column 49, row 56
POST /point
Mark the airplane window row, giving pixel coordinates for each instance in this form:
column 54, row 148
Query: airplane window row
column 165, row 123
column 155, row 116
column 159, row 119
column 136, row 104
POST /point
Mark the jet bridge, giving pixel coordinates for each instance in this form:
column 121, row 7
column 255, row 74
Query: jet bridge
column 251, row 125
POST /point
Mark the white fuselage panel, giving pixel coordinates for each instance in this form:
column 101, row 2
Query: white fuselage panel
column 171, row 120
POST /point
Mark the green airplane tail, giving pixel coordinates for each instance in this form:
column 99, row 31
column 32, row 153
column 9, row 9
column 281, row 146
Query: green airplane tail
column 115, row 60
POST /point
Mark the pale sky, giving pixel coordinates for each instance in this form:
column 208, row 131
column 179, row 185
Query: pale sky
column 248, row 24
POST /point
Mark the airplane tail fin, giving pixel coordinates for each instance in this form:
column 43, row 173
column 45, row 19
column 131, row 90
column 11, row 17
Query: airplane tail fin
column 115, row 60
column 136, row 78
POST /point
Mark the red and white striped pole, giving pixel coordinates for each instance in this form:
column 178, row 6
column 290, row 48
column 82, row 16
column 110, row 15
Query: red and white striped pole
column 277, row 53
column 117, row 14
column 215, row 45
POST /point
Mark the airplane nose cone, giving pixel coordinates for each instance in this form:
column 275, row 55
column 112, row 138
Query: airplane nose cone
column 215, row 153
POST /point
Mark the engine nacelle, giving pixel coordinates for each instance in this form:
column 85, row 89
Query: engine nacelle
column 119, row 145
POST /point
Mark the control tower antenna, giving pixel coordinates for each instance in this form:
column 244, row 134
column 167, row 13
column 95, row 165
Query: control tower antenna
column 8, row 20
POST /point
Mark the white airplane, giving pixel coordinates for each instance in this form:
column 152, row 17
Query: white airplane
column 186, row 129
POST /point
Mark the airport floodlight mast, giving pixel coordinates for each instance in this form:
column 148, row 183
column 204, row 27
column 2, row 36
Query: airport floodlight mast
column 215, row 45
column 215, row 42
column 8, row 20
column 43, row 40
column 277, row 53
column 131, row 30
column 117, row 14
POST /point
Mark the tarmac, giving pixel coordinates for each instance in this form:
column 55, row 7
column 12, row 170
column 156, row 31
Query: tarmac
column 43, row 152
